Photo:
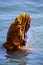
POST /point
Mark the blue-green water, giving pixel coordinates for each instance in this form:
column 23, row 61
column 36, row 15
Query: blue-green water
column 9, row 9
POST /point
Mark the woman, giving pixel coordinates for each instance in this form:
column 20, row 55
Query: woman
column 17, row 32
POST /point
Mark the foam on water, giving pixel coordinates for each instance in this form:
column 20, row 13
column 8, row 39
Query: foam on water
column 35, row 37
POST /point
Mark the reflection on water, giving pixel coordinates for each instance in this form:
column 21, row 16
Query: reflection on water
column 17, row 57
column 33, row 57
column 16, row 54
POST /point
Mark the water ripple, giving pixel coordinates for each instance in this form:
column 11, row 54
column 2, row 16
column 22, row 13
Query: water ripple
column 9, row 9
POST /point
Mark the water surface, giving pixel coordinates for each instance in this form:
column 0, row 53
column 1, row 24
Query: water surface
column 9, row 9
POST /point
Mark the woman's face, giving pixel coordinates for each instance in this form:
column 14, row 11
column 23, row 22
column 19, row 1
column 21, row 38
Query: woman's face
column 28, row 21
column 27, row 27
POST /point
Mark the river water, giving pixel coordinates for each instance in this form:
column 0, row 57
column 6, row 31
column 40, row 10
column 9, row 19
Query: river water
column 9, row 9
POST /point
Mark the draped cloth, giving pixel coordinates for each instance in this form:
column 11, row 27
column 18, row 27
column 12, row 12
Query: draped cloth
column 16, row 34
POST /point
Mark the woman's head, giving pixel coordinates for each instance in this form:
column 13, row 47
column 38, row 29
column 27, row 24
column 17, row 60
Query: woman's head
column 23, row 20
